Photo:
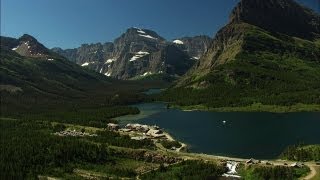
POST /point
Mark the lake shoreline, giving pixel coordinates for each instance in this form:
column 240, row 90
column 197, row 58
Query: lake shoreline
column 184, row 126
column 253, row 108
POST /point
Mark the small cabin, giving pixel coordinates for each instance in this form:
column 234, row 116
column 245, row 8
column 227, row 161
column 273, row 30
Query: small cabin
column 113, row 127
column 296, row 165
column 138, row 138
column 155, row 133
column 249, row 161
column 253, row 161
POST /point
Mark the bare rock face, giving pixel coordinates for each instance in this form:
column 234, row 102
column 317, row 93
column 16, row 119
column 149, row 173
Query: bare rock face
column 137, row 53
column 195, row 47
column 276, row 16
column 284, row 16
column 28, row 46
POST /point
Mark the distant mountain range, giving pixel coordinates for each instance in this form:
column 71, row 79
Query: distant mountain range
column 269, row 53
column 139, row 53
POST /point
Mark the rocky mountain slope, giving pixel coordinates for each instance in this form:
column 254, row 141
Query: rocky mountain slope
column 27, row 46
column 195, row 47
column 29, row 66
column 268, row 53
column 282, row 16
column 138, row 53
column 34, row 79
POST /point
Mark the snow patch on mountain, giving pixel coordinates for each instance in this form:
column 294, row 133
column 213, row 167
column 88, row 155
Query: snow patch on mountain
column 140, row 31
column 177, row 41
column 139, row 55
column 85, row 64
column 147, row 73
column 148, row 36
column 110, row 60
column 27, row 44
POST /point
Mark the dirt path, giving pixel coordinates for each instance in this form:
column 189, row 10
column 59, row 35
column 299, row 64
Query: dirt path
column 312, row 173
column 183, row 146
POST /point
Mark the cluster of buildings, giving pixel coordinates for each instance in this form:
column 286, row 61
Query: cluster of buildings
column 138, row 127
column 73, row 133
column 253, row 161
column 113, row 127
column 295, row 165
column 145, row 130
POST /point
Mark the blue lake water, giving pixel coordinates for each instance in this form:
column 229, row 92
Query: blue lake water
column 246, row 135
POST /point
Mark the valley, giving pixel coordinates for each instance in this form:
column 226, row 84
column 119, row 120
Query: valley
column 244, row 104
column 84, row 157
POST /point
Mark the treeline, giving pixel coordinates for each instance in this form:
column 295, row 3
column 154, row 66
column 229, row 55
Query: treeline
column 95, row 111
column 59, row 83
column 302, row 153
column 274, row 172
column 98, row 117
column 22, row 101
column 170, row 144
column 246, row 81
column 190, row 169
column 271, row 69
column 28, row 150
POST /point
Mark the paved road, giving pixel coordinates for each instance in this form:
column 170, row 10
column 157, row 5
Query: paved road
column 277, row 162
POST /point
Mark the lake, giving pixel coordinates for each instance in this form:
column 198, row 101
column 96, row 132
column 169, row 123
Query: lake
column 244, row 135
column 152, row 91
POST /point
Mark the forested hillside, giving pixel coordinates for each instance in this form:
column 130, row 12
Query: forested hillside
column 254, row 63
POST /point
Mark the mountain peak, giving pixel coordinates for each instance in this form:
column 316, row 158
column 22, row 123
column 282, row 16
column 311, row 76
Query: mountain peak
column 27, row 37
column 284, row 16
column 29, row 46
column 142, row 34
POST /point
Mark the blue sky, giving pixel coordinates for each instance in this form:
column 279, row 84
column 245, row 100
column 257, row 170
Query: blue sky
column 70, row 23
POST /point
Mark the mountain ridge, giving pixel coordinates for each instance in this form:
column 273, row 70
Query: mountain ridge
column 278, row 16
column 247, row 64
column 37, row 70
column 137, row 53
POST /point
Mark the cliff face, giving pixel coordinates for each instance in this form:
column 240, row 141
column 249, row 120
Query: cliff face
column 137, row 53
column 283, row 16
column 269, row 48
column 194, row 46
column 28, row 46
column 272, row 16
